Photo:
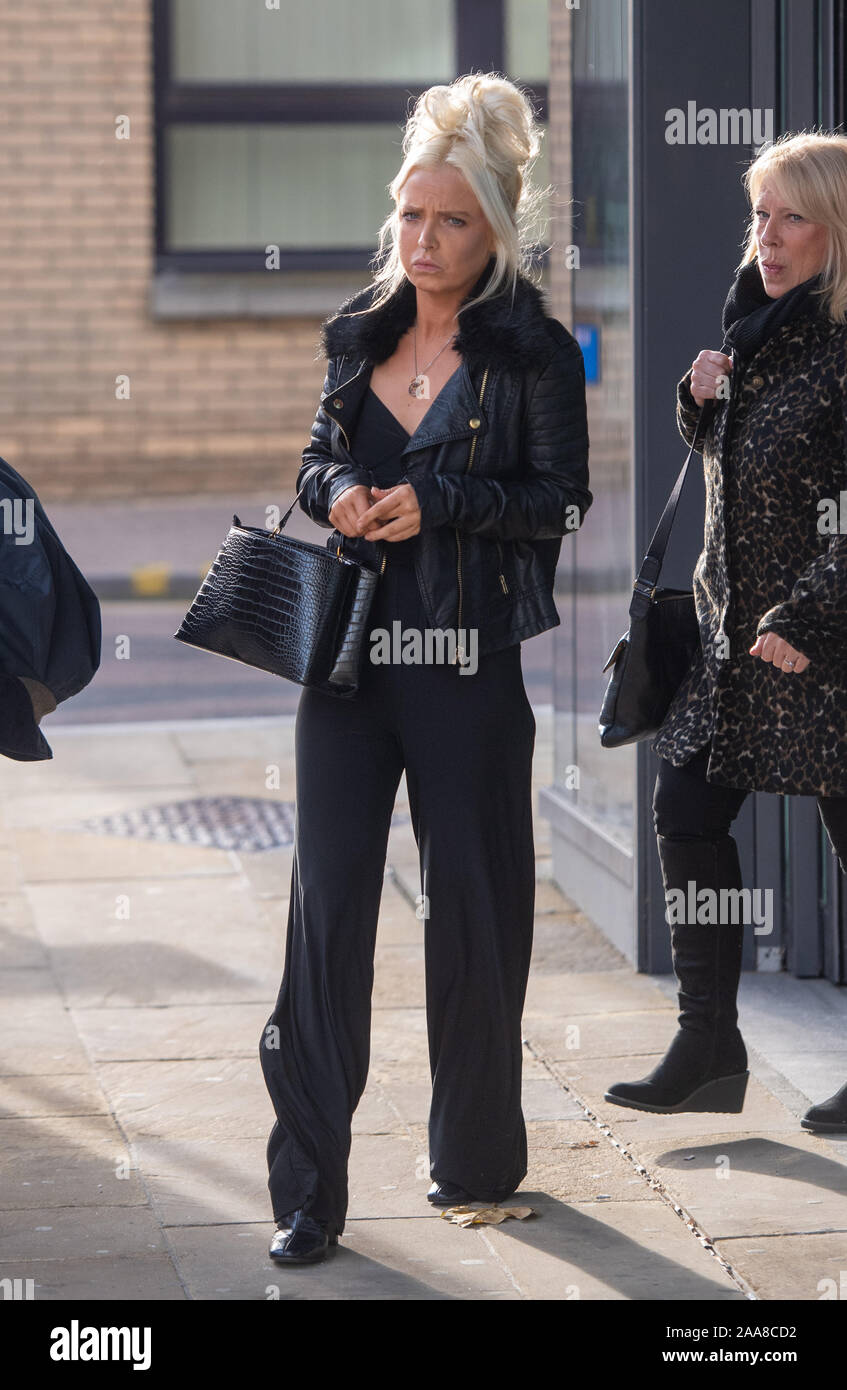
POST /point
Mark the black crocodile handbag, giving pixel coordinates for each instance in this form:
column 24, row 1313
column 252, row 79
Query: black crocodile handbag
column 286, row 606
column 652, row 659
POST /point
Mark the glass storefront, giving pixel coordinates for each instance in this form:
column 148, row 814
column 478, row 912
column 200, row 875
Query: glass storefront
column 596, row 573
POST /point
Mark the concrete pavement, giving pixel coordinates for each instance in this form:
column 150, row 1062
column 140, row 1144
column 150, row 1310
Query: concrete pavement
column 138, row 966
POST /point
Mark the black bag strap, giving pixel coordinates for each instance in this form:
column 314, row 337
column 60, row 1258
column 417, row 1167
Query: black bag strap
column 651, row 566
column 281, row 523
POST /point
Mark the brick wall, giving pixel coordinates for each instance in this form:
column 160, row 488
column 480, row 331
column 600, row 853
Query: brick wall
column 214, row 403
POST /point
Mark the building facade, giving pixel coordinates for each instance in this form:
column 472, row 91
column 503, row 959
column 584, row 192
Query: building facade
column 738, row 71
column 191, row 186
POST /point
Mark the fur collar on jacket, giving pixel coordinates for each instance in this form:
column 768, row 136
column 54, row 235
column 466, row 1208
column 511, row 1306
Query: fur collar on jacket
column 507, row 335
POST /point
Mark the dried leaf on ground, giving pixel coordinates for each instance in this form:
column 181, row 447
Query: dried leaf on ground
column 485, row 1216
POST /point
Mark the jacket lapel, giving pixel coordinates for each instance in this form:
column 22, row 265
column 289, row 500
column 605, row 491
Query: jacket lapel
column 503, row 333
column 448, row 417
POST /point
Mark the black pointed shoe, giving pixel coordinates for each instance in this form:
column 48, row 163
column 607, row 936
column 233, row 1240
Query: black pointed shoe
column 300, row 1240
column 830, row 1117
column 447, row 1194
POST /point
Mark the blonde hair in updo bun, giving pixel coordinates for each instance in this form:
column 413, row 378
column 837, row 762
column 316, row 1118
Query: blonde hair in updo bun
column 485, row 127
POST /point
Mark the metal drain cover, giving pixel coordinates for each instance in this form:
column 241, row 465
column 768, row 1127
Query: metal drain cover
column 217, row 822
column 247, row 823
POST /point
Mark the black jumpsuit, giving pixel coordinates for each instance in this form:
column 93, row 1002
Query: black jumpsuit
column 466, row 744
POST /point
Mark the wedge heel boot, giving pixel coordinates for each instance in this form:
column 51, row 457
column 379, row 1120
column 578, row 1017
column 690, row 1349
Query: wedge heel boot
column 705, row 1067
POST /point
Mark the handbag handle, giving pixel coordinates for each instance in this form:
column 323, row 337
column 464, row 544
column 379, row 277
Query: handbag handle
column 281, row 523
column 651, row 566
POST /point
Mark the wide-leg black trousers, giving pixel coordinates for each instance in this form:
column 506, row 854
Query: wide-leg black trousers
column 466, row 744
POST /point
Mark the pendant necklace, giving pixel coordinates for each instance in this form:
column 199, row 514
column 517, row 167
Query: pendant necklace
column 418, row 379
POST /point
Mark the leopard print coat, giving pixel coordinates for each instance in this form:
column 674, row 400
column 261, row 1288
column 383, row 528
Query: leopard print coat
column 774, row 560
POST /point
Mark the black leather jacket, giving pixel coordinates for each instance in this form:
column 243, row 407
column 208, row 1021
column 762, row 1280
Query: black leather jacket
column 499, row 464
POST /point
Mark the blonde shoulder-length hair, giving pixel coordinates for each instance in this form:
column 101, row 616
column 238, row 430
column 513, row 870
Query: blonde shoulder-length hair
column 483, row 125
column 809, row 171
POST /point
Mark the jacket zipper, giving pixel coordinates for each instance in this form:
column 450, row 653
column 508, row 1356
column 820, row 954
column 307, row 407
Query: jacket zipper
column 503, row 583
column 460, row 651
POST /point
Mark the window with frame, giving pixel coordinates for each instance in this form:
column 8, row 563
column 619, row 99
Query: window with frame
column 278, row 123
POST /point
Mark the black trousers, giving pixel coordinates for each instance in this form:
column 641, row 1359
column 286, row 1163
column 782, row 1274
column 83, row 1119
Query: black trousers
column 687, row 807
column 466, row 743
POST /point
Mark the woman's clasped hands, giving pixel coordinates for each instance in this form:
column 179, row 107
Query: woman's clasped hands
column 394, row 516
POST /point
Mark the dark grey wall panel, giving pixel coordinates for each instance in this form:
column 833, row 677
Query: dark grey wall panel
column 689, row 213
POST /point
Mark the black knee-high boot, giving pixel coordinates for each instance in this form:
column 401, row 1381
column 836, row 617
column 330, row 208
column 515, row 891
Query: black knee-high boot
column 705, row 1067
column 830, row 1117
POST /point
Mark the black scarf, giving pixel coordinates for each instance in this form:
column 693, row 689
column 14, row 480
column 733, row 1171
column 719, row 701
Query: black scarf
column 750, row 316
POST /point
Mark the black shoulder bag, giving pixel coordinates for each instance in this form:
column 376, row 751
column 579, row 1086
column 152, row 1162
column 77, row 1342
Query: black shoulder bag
column 652, row 659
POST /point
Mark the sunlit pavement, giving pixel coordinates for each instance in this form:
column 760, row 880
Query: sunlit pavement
column 137, row 976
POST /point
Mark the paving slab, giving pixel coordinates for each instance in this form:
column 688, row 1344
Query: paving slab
column 737, row 1184
column 58, row 1161
column 20, row 943
column 817, row 1074
column 65, row 811
column 9, row 873
column 804, row 1268
column 549, row 898
column 251, row 741
column 399, row 980
column 141, row 1278
column 14, row 908
column 378, row 1112
column 268, row 873
column 210, row 1181
column 566, row 943
column 20, row 946
column 565, row 1164
column 388, row 1175
column 37, row 1037
column 593, row 992
column 23, row 1097
column 170, row 1032
column 271, row 775
column 109, row 756
column 376, row 1260
column 73, row 1233
column 639, row 1034
column 609, row 1250
column 218, row 1098
column 411, row 1094
column 178, row 945
column 49, row 856
column 399, row 1038
column 399, row 924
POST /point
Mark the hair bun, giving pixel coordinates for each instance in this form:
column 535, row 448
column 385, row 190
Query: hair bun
column 488, row 113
